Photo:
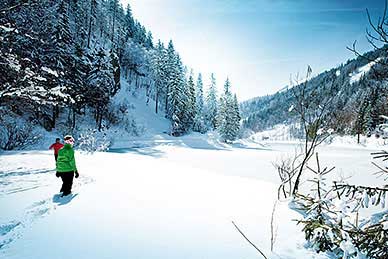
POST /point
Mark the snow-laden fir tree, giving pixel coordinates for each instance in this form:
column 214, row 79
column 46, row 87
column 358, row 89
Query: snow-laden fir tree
column 228, row 115
column 160, row 74
column 178, row 99
column 101, row 85
column 211, row 106
column 170, row 75
column 236, row 112
column 149, row 44
column 92, row 18
column 199, row 120
column 191, row 101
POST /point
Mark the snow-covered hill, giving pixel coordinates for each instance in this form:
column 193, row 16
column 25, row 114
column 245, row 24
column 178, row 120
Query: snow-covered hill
column 357, row 85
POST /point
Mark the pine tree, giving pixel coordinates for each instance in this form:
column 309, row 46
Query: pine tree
column 170, row 75
column 160, row 73
column 229, row 115
column 92, row 18
column 113, row 8
column 101, row 85
column 115, row 71
column 177, row 99
column 236, row 115
column 149, row 44
column 199, row 95
column 373, row 111
column 361, row 122
column 191, row 102
column 199, row 120
column 129, row 24
column 211, row 108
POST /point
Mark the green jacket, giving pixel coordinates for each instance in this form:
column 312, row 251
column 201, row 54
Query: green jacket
column 66, row 160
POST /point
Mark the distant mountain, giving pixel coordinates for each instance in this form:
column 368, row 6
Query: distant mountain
column 360, row 86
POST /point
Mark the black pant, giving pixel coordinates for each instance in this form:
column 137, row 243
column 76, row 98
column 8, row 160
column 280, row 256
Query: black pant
column 67, row 179
column 56, row 157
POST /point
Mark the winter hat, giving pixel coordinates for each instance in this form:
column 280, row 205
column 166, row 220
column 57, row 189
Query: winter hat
column 69, row 140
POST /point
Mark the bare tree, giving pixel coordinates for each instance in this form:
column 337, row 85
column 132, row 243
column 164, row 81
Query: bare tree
column 376, row 35
column 311, row 109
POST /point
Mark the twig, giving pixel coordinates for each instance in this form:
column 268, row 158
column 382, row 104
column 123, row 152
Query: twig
column 273, row 229
column 252, row 244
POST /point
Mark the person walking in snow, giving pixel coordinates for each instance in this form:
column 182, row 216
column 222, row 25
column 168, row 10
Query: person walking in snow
column 66, row 167
column 56, row 146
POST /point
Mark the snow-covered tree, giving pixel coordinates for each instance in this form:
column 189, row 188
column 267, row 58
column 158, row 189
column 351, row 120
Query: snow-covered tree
column 129, row 23
column 191, row 111
column 177, row 99
column 160, row 74
column 228, row 115
column 199, row 119
column 171, row 72
column 211, row 105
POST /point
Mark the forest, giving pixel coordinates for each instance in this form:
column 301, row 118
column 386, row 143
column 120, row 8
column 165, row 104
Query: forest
column 63, row 61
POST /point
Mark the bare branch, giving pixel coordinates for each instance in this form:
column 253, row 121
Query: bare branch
column 252, row 244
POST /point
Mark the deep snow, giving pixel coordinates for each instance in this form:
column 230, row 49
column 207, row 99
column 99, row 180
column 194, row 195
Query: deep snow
column 165, row 198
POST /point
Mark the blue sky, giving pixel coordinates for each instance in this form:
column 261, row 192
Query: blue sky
column 259, row 44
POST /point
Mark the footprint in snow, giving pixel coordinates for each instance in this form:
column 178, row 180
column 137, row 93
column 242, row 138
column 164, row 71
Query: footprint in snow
column 6, row 232
column 13, row 230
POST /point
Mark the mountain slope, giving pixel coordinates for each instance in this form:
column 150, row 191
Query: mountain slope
column 358, row 81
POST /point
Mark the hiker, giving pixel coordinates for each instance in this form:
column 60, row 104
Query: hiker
column 66, row 168
column 56, row 146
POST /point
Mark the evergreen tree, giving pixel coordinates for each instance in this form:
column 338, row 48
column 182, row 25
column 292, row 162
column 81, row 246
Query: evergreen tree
column 228, row 116
column 190, row 111
column 373, row 111
column 129, row 24
column 177, row 99
column 149, row 44
column 236, row 114
column 115, row 70
column 113, row 9
column 101, row 85
column 92, row 19
column 211, row 108
column 199, row 95
column 170, row 75
column 160, row 74
column 361, row 122
column 199, row 120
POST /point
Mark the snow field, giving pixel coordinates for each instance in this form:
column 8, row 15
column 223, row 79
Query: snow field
column 166, row 200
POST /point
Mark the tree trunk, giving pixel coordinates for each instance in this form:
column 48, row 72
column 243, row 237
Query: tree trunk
column 53, row 118
column 90, row 31
column 73, row 126
column 156, row 100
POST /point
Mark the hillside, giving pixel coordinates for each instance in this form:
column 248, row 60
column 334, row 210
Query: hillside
column 63, row 63
column 358, row 84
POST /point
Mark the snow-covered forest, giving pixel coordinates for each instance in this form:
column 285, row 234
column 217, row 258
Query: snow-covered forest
column 169, row 163
column 64, row 61
column 360, row 92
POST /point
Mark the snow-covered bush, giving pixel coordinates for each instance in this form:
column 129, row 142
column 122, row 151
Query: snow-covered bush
column 342, row 219
column 93, row 141
column 16, row 133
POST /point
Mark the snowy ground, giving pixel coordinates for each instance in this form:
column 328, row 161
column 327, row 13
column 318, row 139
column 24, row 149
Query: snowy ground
column 162, row 198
